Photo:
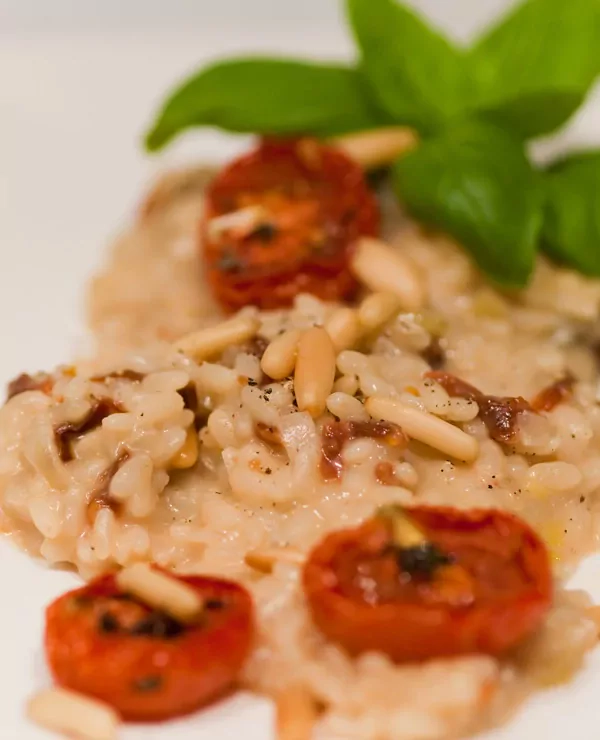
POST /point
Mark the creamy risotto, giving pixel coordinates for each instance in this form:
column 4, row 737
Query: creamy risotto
column 200, row 442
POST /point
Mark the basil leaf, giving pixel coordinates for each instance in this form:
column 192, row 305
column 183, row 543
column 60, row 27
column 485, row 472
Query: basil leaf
column 268, row 96
column 571, row 230
column 415, row 74
column 533, row 70
column 475, row 183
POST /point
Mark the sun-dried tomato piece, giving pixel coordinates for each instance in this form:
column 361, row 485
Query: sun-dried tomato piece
column 549, row 397
column 68, row 432
column 25, row 382
column 500, row 414
column 335, row 434
column 298, row 206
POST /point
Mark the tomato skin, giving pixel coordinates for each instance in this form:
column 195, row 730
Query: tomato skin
column 320, row 205
column 412, row 630
column 192, row 669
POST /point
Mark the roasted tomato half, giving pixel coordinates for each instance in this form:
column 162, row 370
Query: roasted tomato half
column 148, row 666
column 427, row 582
column 282, row 220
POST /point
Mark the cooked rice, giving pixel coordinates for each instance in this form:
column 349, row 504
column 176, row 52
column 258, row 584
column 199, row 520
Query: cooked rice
column 128, row 495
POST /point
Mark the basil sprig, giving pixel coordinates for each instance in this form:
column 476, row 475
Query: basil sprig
column 474, row 107
column 572, row 212
column 415, row 73
column 535, row 68
column 475, row 182
column 269, row 96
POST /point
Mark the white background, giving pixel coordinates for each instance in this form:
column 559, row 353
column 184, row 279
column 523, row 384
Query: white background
column 79, row 80
column 461, row 16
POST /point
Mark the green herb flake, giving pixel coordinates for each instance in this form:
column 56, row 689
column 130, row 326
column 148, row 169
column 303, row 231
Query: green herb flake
column 230, row 262
column 265, row 232
column 422, row 560
column 148, row 683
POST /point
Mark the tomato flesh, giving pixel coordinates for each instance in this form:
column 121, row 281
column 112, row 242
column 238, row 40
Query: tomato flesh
column 494, row 592
column 146, row 665
column 316, row 204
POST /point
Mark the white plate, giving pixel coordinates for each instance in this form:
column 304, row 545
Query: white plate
column 73, row 102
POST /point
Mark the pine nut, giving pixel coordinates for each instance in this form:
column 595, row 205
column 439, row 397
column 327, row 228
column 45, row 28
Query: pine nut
column 264, row 560
column 384, row 269
column 206, row 343
column 160, row 591
column 187, row 456
column 296, row 714
column 240, row 222
column 60, row 710
column 378, row 147
column 377, row 309
column 425, row 428
column 279, row 358
column 343, row 327
column 315, row 371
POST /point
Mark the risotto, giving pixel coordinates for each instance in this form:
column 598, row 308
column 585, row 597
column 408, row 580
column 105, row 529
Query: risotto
column 232, row 445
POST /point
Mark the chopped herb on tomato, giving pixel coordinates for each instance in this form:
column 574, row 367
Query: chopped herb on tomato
column 415, row 555
column 229, row 262
column 266, row 232
column 421, row 560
